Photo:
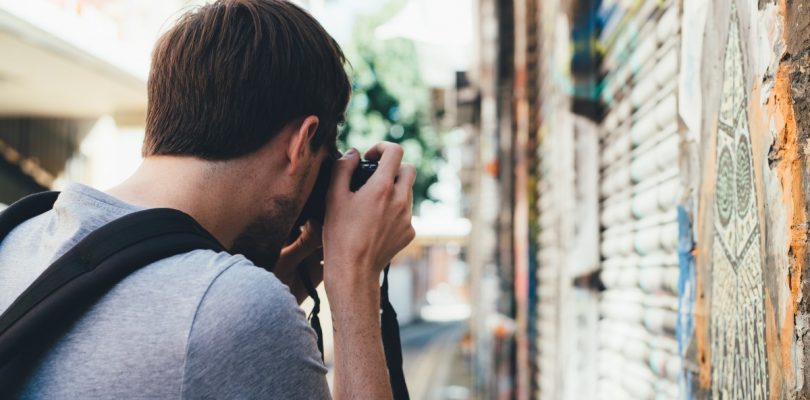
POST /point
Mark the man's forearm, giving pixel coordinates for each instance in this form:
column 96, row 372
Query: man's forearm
column 360, row 369
column 363, row 231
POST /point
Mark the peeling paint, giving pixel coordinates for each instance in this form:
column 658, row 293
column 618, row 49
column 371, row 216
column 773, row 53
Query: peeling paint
column 789, row 170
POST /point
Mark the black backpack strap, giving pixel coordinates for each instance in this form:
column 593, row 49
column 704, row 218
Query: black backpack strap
column 24, row 209
column 75, row 281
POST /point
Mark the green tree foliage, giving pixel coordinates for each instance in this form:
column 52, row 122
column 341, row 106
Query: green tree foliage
column 389, row 101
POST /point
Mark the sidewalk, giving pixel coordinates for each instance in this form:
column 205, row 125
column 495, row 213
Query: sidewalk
column 435, row 367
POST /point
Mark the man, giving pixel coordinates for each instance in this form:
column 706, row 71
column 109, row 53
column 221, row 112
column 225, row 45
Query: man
column 245, row 97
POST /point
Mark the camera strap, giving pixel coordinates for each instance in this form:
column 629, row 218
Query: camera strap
column 391, row 342
column 389, row 326
column 314, row 321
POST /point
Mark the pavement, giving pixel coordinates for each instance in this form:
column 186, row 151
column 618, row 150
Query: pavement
column 433, row 363
column 434, row 366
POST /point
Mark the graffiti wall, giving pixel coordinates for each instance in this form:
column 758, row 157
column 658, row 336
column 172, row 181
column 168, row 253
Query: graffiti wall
column 673, row 181
column 746, row 171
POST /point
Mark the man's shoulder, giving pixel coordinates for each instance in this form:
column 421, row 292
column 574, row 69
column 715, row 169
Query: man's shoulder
column 234, row 294
column 226, row 271
column 248, row 334
column 235, row 288
column 240, row 283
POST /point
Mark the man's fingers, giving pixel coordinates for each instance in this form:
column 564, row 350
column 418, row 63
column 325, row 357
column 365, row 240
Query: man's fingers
column 375, row 152
column 389, row 156
column 405, row 180
column 307, row 243
column 310, row 237
column 406, row 176
column 343, row 169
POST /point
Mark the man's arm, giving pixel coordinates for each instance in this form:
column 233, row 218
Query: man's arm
column 362, row 232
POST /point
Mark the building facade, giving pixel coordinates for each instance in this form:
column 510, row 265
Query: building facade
column 643, row 166
column 73, row 90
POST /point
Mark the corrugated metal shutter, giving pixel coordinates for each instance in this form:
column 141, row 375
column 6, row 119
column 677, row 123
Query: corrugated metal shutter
column 554, row 188
column 639, row 190
column 568, row 251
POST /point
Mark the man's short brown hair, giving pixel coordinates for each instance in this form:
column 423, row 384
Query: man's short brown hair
column 229, row 75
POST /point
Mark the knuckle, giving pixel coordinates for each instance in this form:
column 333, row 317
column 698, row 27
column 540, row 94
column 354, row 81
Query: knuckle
column 407, row 170
column 401, row 202
column 385, row 187
column 402, row 205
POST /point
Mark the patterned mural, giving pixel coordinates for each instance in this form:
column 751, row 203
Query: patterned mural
column 739, row 365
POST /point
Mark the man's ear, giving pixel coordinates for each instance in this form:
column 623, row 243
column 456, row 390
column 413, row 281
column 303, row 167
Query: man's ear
column 299, row 149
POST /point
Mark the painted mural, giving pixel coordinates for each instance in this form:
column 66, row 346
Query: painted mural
column 738, row 357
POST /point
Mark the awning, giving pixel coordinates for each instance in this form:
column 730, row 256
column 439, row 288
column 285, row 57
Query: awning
column 52, row 66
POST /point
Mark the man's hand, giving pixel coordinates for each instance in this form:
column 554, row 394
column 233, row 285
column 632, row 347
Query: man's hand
column 365, row 229
column 305, row 252
column 362, row 232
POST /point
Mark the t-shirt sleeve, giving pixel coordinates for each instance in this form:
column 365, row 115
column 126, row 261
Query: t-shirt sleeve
column 249, row 340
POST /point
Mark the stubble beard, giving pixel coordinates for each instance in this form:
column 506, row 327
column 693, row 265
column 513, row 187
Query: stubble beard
column 262, row 240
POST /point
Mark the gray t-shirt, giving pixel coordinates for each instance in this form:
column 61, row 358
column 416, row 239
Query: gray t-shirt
column 196, row 325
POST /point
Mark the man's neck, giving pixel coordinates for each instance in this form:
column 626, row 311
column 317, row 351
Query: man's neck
column 203, row 189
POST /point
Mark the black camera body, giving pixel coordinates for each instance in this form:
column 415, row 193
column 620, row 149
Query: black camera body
column 362, row 173
column 315, row 207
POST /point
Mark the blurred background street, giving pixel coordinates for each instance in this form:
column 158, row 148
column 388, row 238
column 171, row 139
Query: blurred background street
column 612, row 195
column 433, row 359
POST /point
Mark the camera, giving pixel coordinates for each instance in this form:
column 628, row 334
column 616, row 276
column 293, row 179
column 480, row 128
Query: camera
column 315, row 207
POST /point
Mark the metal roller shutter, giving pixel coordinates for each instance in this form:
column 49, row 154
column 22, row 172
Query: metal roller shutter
column 639, row 190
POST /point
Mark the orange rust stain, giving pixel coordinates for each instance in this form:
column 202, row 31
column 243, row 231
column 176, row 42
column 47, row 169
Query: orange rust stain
column 789, row 171
column 492, row 168
column 702, row 335
column 790, row 175
column 703, row 257
column 772, row 342
column 777, row 113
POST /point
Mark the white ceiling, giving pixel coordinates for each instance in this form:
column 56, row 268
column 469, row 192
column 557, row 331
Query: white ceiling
column 43, row 75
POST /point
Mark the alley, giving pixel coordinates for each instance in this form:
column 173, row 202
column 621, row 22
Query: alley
column 431, row 359
column 611, row 201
